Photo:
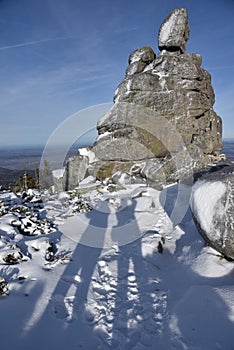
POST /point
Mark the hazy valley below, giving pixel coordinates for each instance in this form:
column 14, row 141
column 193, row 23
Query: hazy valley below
column 15, row 160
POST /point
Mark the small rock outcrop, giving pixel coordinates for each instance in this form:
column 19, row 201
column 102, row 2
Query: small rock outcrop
column 212, row 205
column 163, row 110
column 139, row 59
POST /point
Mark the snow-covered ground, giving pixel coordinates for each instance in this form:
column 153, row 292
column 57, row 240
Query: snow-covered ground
column 132, row 273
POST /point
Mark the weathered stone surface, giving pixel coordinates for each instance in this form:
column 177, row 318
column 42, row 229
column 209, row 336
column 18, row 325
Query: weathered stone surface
column 163, row 111
column 176, row 89
column 134, row 132
column 76, row 169
column 177, row 167
column 102, row 170
column 139, row 59
column 212, row 205
column 174, row 31
column 144, row 54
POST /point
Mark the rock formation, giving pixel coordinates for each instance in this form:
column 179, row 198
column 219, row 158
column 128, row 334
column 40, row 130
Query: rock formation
column 163, row 109
column 174, row 31
column 75, row 172
column 212, row 204
column 162, row 122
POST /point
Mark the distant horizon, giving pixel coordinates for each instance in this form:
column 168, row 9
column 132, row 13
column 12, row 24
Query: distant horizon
column 83, row 143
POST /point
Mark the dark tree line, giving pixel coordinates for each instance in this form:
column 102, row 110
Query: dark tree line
column 26, row 181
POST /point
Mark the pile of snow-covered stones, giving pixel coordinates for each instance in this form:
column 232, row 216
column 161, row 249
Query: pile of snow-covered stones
column 21, row 215
column 23, row 219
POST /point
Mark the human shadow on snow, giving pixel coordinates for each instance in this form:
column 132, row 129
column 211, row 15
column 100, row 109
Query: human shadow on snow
column 134, row 305
column 76, row 275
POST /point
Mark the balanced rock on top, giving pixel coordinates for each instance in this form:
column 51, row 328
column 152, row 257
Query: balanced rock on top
column 174, row 31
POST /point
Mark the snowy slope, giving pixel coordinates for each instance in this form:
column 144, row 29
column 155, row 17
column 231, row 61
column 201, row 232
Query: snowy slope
column 141, row 279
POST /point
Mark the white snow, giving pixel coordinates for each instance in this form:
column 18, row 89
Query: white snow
column 58, row 173
column 209, row 194
column 137, row 57
column 117, row 295
column 88, row 181
column 128, row 86
column 107, row 133
column 88, row 153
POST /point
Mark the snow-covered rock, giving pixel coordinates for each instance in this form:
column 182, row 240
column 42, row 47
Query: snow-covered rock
column 87, row 152
column 212, row 204
column 3, row 286
column 58, row 179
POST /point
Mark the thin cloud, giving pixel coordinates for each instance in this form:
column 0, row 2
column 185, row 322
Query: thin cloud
column 30, row 43
column 65, row 79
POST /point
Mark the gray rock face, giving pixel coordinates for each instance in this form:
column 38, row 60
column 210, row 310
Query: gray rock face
column 163, row 105
column 163, row 114
column 174, row 31
column 177, row 88
column 139, row 59
column 76, row 169
column 212, row 205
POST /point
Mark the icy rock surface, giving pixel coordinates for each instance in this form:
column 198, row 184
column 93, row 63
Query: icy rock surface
column 212, row 204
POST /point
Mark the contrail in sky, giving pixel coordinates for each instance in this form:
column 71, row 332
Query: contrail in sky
column 30, row 43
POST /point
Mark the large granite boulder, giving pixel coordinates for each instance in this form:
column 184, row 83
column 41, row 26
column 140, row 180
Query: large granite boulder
column 174, row 31
column 75, row 172
column 212, row 205
column 163, row 106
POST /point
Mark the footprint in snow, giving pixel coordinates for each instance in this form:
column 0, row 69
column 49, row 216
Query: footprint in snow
column 64, row 308
column 58, row 307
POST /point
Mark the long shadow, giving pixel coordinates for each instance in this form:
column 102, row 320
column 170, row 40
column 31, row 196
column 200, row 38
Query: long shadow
column 84, row 258
column 132, row 280
column 133, row 299
column 74, row 283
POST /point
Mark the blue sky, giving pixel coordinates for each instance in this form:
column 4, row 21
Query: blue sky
column 60, row 56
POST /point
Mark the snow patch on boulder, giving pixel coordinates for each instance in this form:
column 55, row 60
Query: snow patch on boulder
column 209, row 194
